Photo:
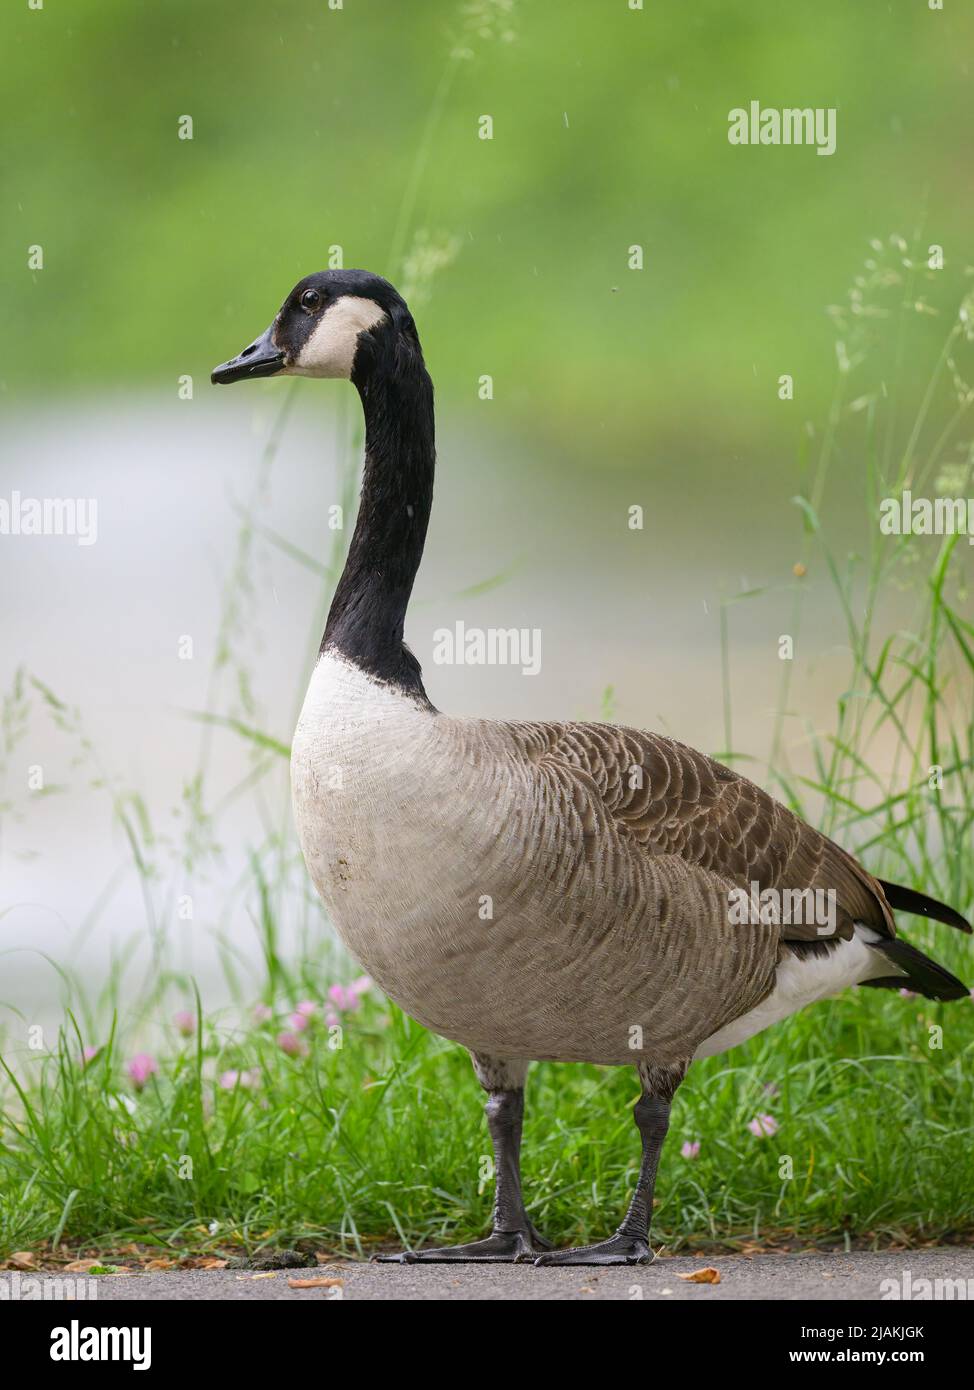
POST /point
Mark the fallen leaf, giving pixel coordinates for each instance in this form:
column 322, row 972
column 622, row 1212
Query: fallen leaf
column 80, row 1266
column 702, row 1276
column 212, row 1264
column 318, row 1283
column 21, row 1259
column 160, row 1264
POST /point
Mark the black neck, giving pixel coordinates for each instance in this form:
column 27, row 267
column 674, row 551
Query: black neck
column 368, row 612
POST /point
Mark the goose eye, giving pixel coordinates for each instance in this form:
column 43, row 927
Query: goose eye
column 310, row 300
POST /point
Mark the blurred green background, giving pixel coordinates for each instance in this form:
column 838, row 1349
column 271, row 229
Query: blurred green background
column 357, row 127
column 312, row 125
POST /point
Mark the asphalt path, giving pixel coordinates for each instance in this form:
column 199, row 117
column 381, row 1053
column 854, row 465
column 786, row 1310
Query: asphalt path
column 778, row 1277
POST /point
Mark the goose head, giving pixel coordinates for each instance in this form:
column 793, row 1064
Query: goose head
column 319, row 328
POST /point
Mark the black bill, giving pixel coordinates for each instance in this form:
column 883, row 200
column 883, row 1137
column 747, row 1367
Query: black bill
column 262, row 358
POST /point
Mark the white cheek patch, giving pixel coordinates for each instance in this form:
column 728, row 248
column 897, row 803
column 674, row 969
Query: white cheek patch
column 330, row 351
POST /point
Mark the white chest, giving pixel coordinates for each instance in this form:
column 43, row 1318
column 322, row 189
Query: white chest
column 357, row 778
column 376, row 788
column 409, row 826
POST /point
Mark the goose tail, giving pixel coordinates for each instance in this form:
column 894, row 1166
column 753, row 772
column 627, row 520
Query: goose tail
column 909, row 900
column 917, row 972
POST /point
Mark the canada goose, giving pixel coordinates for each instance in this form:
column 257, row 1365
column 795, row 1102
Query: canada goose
column 614, row 861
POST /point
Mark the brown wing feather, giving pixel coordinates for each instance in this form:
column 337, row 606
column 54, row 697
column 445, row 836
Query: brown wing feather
column 675, row 801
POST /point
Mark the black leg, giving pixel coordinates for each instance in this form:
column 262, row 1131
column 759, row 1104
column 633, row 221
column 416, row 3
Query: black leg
column 505, row 1120
column 513, row 1239
column 630, row 1244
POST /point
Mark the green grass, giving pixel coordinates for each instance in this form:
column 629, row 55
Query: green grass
column 382, row 1138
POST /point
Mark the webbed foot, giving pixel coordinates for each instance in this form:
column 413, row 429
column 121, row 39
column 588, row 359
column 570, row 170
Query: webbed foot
column 620, row 1249
column 500, row 1247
